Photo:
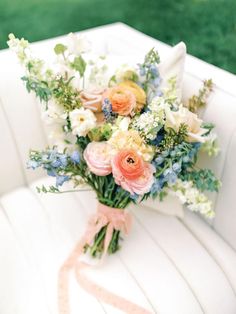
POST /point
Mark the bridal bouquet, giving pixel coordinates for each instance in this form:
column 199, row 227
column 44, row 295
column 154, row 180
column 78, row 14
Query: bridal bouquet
column 119, row 132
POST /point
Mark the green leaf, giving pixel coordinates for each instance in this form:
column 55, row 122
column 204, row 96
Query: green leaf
column 60, row 49
column 79, row 65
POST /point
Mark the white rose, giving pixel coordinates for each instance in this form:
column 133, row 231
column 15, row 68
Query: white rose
column 175, row 118
column 82, row 121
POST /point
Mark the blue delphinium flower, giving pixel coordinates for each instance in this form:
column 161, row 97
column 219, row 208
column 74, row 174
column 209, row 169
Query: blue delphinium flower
column 142, row 71
column 53, row 162
column 51, row 172
column 134, row 197
column 159, row 160
column 75, row 157
column 154, row 70
column 63, row 160
column 56, row 163
column 170, row 176
column 157, row 186
column 176, row 167
column 60, row 180
column 33, row 164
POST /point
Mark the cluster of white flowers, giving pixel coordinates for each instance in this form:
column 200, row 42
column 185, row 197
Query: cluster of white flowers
column 148, row 124
column 22, row 50
column 159, row 105
column 192, row 198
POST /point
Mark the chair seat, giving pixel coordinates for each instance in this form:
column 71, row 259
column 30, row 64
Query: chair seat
column 162, row 265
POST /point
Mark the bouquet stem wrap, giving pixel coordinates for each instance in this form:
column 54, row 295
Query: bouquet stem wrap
column 114, row 219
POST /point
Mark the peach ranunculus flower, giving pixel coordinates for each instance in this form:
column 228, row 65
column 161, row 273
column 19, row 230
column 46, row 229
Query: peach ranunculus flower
column 98, row 158
column 131, row 172
column 139, row 93
column 175, row 118
column 123, row 101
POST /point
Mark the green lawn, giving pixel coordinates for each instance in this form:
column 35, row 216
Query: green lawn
column 207, row 26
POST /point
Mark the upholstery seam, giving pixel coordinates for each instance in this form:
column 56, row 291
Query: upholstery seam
column 26, row 255
column 172, row 262
column 15, row 142
column 209, row 253
column 137, row 283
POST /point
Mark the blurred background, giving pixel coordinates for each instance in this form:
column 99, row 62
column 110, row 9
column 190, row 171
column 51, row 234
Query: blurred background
column 208, row 27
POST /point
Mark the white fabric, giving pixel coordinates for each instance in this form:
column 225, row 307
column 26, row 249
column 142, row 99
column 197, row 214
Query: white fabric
column 173, row 66
column 169, row 206
column 222, row 253
column 166, row 265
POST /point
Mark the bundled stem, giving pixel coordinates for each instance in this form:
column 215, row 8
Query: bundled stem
column 109, row 194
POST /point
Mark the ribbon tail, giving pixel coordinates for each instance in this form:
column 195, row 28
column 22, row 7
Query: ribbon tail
column 104, row 295
column 63, row 279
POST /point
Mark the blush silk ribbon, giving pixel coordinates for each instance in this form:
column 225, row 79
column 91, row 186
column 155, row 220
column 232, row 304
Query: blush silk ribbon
column 113, row 218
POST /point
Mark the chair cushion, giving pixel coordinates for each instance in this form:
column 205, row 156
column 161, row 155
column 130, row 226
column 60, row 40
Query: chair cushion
column 162, row 266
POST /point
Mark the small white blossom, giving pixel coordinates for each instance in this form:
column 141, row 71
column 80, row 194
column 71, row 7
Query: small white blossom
column 149, row 123
column 82, row 121
column 194, row 199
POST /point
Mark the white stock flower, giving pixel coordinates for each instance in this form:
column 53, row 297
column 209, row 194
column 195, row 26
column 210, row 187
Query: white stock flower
column 183, row 116
column 78, row 44
column 57, row 137
column 82, row 121
column 55, row 114
column 194, row 199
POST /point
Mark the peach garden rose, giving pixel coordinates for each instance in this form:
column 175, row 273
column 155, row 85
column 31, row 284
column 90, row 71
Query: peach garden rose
column 131, row 172
column 98, row 158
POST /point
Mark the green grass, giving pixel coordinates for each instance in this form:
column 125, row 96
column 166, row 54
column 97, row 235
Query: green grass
column 208, row 27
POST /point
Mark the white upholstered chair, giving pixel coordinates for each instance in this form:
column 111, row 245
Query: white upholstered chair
column 168, row 265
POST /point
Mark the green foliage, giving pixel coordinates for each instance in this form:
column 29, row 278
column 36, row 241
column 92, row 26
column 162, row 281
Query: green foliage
column 203, row 179
column 208, row 126
column 152, row 57
column 65, row 94
column 50, row 189
column 40, row 88
column 60, row 49
column 172, row 138
column 79, row 65
column 198, row 101
column 100, row 133
column 83, row 141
